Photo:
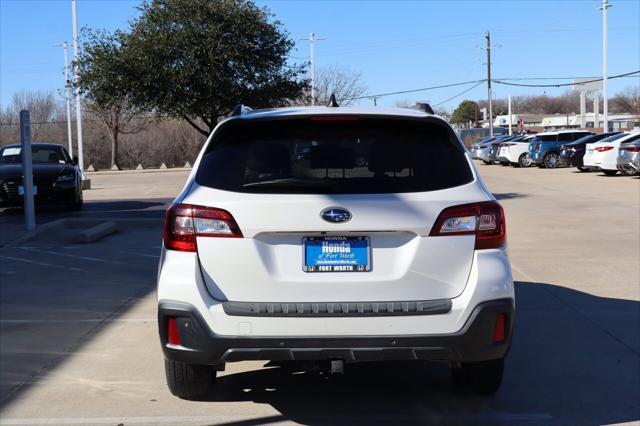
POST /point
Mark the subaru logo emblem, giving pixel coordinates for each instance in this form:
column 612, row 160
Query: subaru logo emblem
column 336, row 215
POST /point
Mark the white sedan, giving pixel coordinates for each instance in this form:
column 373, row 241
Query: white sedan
column 603, row 155
column 516, row 152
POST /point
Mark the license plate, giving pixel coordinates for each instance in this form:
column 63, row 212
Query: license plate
column 336, row 254
column 503, row 151
column 21, row 190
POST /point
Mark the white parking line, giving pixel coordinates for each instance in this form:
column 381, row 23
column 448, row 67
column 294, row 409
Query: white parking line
column 75, row 256
column 48, row 265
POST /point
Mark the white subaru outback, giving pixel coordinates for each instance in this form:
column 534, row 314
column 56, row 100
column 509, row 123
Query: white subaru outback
column 334, row 235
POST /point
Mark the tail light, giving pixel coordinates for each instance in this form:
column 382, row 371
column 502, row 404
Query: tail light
column 631, row 148
column 537, row 147
column 184, row 222
column 173, row 335
column 484, row 220
column 604, row 148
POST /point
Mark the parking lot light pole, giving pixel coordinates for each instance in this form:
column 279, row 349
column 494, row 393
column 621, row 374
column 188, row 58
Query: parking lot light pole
column 67, row 85
column 74, row 14
column 27, row 170
column 605, row 58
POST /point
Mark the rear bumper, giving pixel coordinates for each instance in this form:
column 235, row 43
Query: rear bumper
column 200, row 345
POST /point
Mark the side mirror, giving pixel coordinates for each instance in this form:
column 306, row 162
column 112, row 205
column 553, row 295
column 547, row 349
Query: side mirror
column 74, row 160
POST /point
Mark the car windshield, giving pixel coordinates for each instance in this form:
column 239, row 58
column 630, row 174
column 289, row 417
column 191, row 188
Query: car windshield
column 614, row 137
column 361, row 156
column 545, row 138
column 39, row 154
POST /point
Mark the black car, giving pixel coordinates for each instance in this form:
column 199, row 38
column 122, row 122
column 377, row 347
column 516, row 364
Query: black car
column 571, row 153
column 56, row 176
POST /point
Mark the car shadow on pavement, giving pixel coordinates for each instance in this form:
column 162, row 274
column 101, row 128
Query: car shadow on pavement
column 508, row 195
column 575, row 359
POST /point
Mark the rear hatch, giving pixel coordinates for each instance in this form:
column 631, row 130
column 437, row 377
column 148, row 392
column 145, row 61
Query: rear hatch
column 335, row 209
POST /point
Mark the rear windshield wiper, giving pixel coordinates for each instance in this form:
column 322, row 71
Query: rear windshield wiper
column 293, row 182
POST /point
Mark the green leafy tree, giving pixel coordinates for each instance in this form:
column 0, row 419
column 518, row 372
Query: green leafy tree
column 197, row 59
column 465, row 112
column 104, row 80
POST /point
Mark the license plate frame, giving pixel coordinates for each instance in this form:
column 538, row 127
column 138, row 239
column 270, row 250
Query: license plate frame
column 312, row 253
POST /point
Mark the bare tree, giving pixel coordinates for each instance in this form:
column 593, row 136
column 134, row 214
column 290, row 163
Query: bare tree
column 344, row 83
column 117, row 120
column 626, row 101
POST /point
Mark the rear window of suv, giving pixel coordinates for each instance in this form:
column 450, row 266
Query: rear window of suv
column 321, row 155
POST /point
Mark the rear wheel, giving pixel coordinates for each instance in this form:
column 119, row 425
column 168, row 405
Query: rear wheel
column 189, row 381
column 524, row 161
column 610, row 172
column 482, row 377
column 551, row 160
column 627, row 172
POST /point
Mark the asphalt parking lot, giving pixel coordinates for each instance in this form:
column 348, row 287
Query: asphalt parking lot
column 78, row 336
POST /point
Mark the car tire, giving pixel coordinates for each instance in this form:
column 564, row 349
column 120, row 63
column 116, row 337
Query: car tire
column 189, row 381
column 488, row 163
column 551, row 160
column 483, row 377
column 523, row 161
column 627, row 172
column 610, row 172
column 582, row 169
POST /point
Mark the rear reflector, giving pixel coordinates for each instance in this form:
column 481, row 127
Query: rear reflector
column 537, row 147
column 484, row 220
column 604, row 148
column 184, row 222
column 500, row 331
column 172, row 332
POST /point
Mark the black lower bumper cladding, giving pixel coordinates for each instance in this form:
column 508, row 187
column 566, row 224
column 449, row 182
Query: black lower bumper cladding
column 199, row 345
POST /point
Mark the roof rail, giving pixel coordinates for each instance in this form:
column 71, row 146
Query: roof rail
column 332, row 101
column 424, row 106
column 240, row 109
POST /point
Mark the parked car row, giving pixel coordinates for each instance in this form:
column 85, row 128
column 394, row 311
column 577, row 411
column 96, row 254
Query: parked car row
column 611, row 152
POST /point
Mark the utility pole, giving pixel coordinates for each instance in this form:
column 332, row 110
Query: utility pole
column 74, row 15
column 489, row 95
column 605, row 59
column 312, row 39
column 67, row 85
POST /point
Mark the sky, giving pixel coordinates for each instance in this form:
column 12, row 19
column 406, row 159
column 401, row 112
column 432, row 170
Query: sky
column 394, row 45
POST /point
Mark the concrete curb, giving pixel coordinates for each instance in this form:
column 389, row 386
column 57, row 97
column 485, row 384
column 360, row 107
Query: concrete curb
column 30, row 235
column 126, row 172
column 96, row 232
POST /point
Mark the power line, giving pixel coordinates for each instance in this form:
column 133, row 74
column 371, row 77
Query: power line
column 459, row 94
column 379, row 95
column 565, row 84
